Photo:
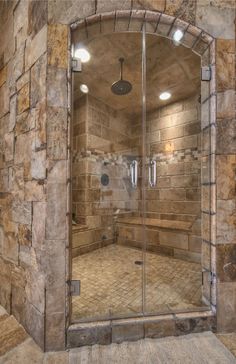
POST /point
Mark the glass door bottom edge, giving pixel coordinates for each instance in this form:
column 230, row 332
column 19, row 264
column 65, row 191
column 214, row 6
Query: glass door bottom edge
column 143, row 315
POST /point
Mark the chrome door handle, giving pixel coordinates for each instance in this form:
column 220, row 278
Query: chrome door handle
column 134, row 173
column 152, row 173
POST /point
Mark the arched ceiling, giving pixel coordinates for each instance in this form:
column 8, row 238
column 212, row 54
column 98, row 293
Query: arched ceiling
column 169, row 68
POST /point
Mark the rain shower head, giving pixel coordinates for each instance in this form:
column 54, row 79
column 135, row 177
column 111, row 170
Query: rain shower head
column 121, row 87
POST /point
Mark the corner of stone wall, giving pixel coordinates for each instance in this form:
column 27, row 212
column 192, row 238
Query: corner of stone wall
column 23, row 179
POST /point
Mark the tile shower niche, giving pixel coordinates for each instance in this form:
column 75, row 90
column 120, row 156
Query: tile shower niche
column 138, row 165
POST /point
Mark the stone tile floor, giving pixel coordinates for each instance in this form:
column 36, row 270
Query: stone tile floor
column 111, row 283
column 18, row 348
column 229, row 340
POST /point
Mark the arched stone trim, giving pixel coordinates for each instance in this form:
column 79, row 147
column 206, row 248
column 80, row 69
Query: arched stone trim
column 132, row 21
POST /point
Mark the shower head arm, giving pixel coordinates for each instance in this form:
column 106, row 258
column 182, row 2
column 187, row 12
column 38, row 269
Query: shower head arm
column 121, row 87
column 121, row 60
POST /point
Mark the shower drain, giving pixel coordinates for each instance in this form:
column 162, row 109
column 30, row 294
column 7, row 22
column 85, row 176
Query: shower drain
column 138, row 262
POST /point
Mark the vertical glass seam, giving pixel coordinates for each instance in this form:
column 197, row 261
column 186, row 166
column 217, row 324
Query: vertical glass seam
column 143, row 175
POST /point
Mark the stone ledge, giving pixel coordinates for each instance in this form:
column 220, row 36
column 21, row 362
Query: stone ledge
column 133, row 329
column 165, row 224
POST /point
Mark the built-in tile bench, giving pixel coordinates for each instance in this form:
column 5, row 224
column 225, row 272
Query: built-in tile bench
column 86, row 239
column 167, row 224
column 169, row 237
column 79, row 227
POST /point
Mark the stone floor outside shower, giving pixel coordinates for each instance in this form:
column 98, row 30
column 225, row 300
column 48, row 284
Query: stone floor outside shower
column 111, row 283
column 17, row 347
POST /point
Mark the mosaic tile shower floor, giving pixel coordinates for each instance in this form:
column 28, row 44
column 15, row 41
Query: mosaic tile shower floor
column 111, row 283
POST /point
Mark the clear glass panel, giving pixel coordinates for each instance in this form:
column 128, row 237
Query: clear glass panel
column 107, row 229
column 141, row 175
column 173, row 271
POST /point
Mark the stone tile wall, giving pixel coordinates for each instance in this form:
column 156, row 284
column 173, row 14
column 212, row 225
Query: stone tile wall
column 225, row 172
column 23, row 180
column 97, row 130
column 33, row 170
column 34, row 124
column 101, row 143
column 174, row 142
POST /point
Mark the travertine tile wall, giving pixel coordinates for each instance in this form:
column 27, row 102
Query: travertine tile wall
column 34, row 154
column 101, row 138
column 99, row 128
column 174, row 141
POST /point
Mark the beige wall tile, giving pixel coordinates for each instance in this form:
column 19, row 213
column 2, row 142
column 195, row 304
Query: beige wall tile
column 58, row 45
column 35, row 48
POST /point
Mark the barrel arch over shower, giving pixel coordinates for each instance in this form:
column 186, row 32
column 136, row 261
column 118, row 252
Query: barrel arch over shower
column 132, row 21
column 202, row 44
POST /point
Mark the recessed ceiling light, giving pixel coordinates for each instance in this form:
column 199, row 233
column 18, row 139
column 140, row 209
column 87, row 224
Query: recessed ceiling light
column 178, row 35
column 84, row 88
column 165, row 95
column 83, row 54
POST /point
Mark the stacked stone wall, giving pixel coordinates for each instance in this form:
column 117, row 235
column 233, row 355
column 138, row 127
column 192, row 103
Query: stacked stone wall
column 34, row 149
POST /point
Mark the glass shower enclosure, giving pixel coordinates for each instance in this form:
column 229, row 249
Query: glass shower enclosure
column 135, row 178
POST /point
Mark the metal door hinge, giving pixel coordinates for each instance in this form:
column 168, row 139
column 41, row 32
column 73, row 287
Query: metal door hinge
column 76, row 65
column 210, row 277
column 74, row 286
column 206, row 73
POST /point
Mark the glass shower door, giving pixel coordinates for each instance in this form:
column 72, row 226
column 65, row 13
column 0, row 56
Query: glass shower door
column 136, row 193
column 108, row 166
column 173, row 277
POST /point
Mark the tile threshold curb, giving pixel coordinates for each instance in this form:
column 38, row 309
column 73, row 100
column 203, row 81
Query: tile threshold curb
column 133, row 329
